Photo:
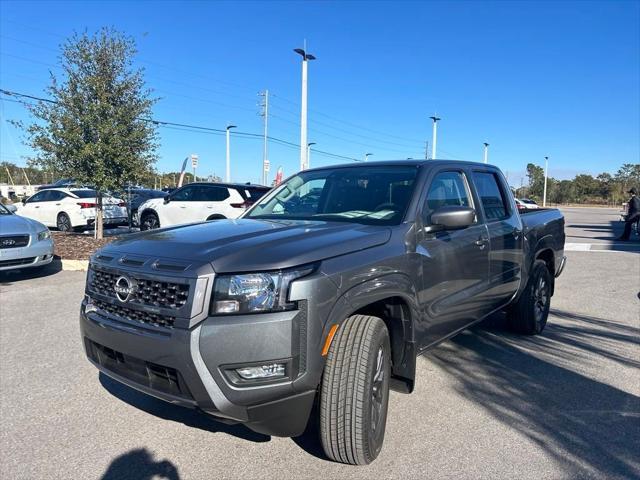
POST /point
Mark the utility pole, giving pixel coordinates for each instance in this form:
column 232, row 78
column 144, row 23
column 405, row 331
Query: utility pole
column 546, row 175
column 228, row 172
column 435, row 136
column 303, row 105
column 486, row 152
column 309, row 153
column 194, row 165
column 265, row 154
column 366, row 156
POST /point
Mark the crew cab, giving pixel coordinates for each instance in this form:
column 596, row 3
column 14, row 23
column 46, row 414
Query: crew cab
column 197, row 202
column 324, row 293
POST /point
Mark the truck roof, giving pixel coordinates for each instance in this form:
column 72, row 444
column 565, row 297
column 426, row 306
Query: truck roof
column 406, row 163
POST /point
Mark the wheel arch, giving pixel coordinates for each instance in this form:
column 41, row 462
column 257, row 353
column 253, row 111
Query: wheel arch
column 392, row 298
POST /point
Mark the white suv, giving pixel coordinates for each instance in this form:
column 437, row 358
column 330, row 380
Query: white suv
column 198, row 202
column 71, row 208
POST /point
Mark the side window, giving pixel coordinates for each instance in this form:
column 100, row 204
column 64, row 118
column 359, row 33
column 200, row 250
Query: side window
column 446, row 189
column 55, row 196
column 494, row 202
column 185, row 194
column 38, row 197
column 212, row 194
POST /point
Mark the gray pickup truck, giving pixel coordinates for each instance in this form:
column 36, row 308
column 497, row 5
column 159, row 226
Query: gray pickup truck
column 321, row 296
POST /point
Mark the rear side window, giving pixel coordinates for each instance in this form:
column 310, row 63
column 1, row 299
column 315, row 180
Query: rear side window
column 211, row 194
column 446, row 189
column 84, row 193
column 491, row 195
column 255, row 194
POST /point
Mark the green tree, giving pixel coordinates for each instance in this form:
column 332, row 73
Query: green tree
column 97, row 127
column 535, row 174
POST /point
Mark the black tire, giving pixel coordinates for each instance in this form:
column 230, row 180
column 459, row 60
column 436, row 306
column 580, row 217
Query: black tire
column 354, row 395
column 529, row 315
column 149, row 221
column 63, row 222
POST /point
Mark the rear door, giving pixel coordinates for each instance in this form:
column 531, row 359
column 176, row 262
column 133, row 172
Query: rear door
column 454, row 263
column 216, row 201
column 505, row 236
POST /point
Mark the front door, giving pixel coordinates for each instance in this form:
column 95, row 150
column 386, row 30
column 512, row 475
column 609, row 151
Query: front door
column 33, row 207
column 454, row 263
column 182, row 207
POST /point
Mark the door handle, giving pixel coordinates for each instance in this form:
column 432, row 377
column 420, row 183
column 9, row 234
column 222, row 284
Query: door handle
column 482, row 242
column 57, row 204
column 36, row 206
column 183, row 206
column 516, row 233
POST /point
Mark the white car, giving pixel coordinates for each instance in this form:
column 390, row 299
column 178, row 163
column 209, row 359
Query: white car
column 24, row 242
column 199, row 202
column 71, row 208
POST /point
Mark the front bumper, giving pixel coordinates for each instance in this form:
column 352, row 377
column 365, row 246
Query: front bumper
column 187, row 367
column 36, row 254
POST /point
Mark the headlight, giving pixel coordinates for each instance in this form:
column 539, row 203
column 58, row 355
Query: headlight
column 44, row 235
column 254, row 292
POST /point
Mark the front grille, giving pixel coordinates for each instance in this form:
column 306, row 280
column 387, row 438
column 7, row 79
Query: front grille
column 134, row 315
column 16, row 262
column 147, row 292
column 151, row 375
column 14, row 241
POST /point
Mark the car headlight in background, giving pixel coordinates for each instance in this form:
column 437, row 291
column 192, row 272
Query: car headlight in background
column 255, row 292
column 44, row 235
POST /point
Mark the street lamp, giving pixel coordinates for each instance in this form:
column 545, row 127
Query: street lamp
column 546, row 174
column 435, row 134
column 486, row 152
column 228, row 172
column 303, row 105
column 366, row 156
column 309, row 154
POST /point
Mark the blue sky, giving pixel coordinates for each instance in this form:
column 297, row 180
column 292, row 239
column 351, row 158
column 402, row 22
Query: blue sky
column 531, row 78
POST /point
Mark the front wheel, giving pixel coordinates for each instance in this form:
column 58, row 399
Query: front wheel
column 149, row 221
column 355, row 391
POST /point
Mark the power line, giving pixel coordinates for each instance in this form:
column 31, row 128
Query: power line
column 177, row 125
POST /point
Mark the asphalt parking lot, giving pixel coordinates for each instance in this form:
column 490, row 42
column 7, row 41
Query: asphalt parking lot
column 488, row 404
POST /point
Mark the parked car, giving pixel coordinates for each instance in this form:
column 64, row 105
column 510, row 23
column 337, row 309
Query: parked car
column 324, row 301
column 71, row 208
column 198, row 202
column 24, row 243
column 530, row 203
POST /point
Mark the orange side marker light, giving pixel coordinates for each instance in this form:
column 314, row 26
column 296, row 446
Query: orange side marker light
column 327, row 342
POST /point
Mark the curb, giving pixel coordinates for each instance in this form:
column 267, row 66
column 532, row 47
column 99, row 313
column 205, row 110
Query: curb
column 75, row 265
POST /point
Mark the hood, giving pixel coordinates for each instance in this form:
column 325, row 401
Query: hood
column 252, row 245
column 17, row 225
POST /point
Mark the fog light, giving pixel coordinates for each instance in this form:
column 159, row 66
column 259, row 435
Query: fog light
column 275, row 370
column 227, row 306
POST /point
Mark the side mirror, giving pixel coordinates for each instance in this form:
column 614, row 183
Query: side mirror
column 24, row 201
column 451, row 217
column 167, row 199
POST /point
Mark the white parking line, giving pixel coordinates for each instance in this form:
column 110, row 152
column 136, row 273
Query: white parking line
column 602, row 247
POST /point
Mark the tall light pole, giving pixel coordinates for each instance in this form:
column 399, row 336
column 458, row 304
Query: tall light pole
column 546, row 174
column 308, row 165
column 303, row 105
column 228, row 172
column 265, row 153
column 366, row 156
column 486, row 152
column 435, row 136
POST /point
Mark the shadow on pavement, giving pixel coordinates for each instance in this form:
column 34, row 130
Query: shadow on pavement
column 139, row 464
column 175, row 413
column 7, row 277
column 588, row 427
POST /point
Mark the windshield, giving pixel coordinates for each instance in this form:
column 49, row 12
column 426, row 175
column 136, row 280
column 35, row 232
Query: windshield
column 4, row 210
column 377, row 195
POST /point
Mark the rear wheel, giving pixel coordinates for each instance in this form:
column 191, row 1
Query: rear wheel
column 529, row 315
column 63, row 222
column 149, row 221
column 355, row 391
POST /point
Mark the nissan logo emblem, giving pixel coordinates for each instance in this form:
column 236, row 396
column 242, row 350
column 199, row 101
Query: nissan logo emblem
column 124, row 288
